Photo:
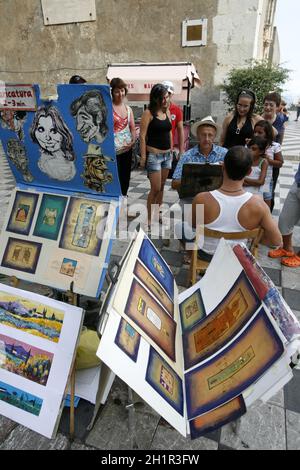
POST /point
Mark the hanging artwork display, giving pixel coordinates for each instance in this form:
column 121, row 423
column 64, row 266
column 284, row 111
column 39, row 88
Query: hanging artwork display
column 203, row 362
column 38, row 340
column 61, row 152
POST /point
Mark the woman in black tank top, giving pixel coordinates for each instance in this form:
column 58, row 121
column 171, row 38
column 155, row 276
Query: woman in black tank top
column 156, row 144
column 238, row 126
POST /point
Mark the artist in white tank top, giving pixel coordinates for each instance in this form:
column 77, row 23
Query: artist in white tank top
column 232, row 209
column 227, row 221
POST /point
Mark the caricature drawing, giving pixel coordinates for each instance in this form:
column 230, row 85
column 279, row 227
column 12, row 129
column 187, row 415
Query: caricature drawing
column 50, row 132
column 13, row 120
column 90, row 113
column 17, row 154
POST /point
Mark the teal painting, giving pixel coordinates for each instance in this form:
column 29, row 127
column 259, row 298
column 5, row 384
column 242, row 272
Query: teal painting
column 50, row 216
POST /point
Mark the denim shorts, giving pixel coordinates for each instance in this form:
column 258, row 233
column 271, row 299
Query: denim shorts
column 159, row 161
column 268, row 195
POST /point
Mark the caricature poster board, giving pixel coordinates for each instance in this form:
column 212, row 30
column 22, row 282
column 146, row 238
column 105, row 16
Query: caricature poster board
column 38, row 340
column 62, row 155
column 246, row 353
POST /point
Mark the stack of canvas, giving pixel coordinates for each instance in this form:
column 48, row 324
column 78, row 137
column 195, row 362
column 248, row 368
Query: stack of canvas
column 202, row 357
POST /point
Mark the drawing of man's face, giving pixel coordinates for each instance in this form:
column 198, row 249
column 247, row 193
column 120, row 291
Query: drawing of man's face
column 47, row 135
column 85, row 124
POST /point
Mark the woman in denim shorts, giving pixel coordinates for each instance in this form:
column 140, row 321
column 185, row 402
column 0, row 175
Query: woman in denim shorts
column 155, row 144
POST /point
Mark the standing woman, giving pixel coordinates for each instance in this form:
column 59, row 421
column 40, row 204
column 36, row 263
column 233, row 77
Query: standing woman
column 124, row 131
column 156, row 144
column 238, row 125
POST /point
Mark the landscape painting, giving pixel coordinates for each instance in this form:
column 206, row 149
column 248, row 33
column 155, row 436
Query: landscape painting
column 31, row 317
column 20, row 399
column 25, row 360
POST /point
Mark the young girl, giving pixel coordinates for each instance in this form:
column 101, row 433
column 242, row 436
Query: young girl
column 255, row 181
column 273, row 155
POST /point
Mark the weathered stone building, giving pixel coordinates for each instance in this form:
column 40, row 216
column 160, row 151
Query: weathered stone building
column 135, row 30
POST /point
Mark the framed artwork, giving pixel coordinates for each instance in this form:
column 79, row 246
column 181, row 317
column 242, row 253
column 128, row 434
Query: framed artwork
column 21, row 255
column 50, row 216
column 30, row 317
column 151, row 318
column 165, row 381
column 25, row 360
column 221, row 325
column 22, row 212
column 218, row 417
column 159, row 293
column 157, row 266
column 128, row 340
column 192, row 310
column 64, row 267
column 232, row 371
column 79, row 230
column 20, row 399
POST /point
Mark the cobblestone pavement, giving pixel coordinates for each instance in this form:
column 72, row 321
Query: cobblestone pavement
column 271, row 425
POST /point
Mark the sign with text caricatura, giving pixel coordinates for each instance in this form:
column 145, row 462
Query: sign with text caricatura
column 66, row 144
column 60, row 218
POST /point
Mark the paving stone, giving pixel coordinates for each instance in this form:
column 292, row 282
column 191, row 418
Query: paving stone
column 112, row 429
column 274, row 274
column 79, row 446
column 292, row 297
column 277, row 399
column 167, row 437
column 137, row 189
column 262, row 428
column 291, row 393
column 22, row 438
column 291, row 278
column 223, row 447
column 6, row 426
column 176, row 259
column 182, row 277
column 292, row 430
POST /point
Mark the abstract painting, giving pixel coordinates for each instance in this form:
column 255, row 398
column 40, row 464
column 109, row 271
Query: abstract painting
column 165, row 381
column 192, row 310
column 157, row 266
column 79, row 231
column 159, row 293
column 128, row 340
column 50, row 216
column 21, row 255
column 232, row 371
column 151, row 318
column 221, row 325
column 218, row 417
column 22, row 212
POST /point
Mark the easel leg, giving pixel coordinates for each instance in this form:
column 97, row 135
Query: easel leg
column 72, row 404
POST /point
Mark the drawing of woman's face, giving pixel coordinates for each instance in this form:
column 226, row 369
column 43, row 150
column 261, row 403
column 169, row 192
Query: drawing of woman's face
column 47, row 135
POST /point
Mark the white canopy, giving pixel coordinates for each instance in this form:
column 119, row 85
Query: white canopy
column 140, row 77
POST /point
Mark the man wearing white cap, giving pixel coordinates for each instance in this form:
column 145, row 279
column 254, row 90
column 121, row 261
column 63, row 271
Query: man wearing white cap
column 204, row 152
column 176, row 118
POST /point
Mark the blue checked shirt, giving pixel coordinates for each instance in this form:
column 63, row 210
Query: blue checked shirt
column 194, row 156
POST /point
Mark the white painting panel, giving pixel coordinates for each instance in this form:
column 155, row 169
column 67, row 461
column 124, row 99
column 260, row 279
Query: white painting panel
column 68, row 11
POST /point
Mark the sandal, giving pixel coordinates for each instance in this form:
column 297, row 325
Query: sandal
column 280, row 253
column 291, row 262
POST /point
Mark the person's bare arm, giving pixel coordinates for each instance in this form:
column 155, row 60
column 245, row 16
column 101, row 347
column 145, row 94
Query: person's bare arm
column 176, row 184
column 132, row 127
column 146, row 118
column 261, row 180
column 180, row 132
column 278, row 160
column 224, row 129
column 272, row 235
column 198, row 199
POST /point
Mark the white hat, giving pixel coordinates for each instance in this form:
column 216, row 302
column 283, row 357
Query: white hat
column 207, row 121
column 169, row 85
